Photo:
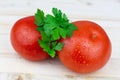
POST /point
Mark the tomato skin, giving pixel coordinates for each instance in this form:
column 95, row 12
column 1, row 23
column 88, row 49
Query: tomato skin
column 88, row 50
column 24, row 38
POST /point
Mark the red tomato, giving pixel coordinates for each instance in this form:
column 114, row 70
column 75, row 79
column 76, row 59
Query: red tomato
column 87, row 50
column 24, row 39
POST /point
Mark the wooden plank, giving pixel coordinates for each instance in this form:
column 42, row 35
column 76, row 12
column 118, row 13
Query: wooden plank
column 46, row 68
column 76, row 8
column 28, row 76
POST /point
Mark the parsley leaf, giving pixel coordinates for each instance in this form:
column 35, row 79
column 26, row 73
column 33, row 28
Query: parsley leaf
column 39, row 18
column 55, row 34
column 54, row 44
column 52, row 28
column 59, row 46
column 52, row 53
column 50, row 24
column 63, row 33
column 44, row 45
column 71, row 29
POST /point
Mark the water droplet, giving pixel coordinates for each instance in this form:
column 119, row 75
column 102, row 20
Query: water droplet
column 84, row 62
column 77, row 46
column 79, row 52
column 75, row 49
column 83, row 56
column 94, row 36
column 84, row 46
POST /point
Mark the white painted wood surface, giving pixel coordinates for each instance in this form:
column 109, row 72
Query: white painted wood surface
column 12, row 67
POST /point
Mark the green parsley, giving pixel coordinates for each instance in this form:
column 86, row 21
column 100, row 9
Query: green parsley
column 52, row 28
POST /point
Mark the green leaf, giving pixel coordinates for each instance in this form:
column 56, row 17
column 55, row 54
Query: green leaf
column 47, row 30
column 54, row 44
column 64, row 25
column 39, row 29
column 72, row 27
column 44, row 36
column 58, row 14
column 52, row 28
column 59, row 46
column 65, row 17
column 39, row 17
column 55, row 34
column 51, row 52
column 50, row 20
column 69, row 33
column 62, row 32
column 44, row 45
column 54, row 11
column 50, row 24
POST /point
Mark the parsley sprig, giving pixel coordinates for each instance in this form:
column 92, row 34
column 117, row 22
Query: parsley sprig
column 52, row 28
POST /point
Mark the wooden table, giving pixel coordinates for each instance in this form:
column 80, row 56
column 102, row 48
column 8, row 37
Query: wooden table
column 104, row 12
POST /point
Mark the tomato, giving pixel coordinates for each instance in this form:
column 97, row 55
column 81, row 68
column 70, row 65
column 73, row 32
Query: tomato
column 88, row 50
column 24, row 39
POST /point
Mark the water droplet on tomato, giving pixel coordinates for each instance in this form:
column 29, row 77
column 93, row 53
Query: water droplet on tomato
column 87, row 64
column 79, row 52
column 84, row 62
